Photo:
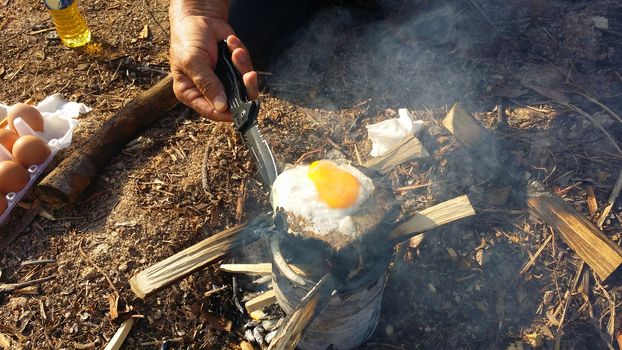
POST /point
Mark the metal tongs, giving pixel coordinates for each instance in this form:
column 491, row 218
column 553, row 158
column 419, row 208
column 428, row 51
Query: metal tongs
column 245, row 115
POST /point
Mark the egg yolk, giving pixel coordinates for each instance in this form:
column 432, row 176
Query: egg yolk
column 336, row 187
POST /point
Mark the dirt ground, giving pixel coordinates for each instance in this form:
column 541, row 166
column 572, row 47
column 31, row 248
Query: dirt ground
column 460, row 287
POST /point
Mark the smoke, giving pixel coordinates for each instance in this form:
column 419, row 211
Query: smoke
column 397, row 57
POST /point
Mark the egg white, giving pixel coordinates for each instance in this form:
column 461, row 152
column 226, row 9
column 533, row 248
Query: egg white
column 294, row 192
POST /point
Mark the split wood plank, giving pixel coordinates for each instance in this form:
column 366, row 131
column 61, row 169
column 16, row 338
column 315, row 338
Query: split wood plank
column 433, row 217
column 118, row 338
column 597, row 250
column 189, row 260
column 261, row 301
column 288, row 335
column 408, row 149
column 262, row 269
column 66, row 182
column 591, row 244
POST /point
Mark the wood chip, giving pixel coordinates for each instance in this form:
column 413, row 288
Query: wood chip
column 117, row 340
column 592, row 205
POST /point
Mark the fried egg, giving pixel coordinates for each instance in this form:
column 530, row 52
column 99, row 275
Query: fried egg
column 324, row 193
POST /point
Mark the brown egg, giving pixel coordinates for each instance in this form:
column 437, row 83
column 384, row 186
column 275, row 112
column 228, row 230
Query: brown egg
column 30, row 150
column 3, row 204
column 8, row 138
column 13, row 177
column 28, row 113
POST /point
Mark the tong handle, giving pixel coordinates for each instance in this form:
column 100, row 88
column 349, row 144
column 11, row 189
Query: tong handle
column 244, row 112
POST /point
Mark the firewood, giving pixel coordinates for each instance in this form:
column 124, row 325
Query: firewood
column 433, row 217
column 262, row 269
column 408, row 149
column 118, row 338
column 258, row 303
column 597, row 250
column 591, row 244
column 310, row 306
column 66, row 182
column 189, row 260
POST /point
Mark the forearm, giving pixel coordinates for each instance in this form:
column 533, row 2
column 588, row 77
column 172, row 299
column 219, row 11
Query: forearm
column 180, row 9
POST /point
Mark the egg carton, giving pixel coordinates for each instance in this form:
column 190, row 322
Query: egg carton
column 59, row 121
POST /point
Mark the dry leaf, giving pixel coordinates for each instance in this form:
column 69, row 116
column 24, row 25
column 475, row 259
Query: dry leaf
column 591, row 200
column 212, row 320
column 113, row 302
column 144, row 34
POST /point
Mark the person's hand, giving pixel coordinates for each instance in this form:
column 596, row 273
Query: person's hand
column 193, row 57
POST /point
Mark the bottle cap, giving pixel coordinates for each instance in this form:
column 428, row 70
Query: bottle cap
column 57, row 4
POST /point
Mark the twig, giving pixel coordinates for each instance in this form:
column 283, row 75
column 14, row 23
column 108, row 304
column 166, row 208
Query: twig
column 239, row 206
column 531, row 261
column 414, row 187
column 38, row 262
column 41, row 31
column 611, row 201
column 9, row 287
column 116, row 295
column 481, row 12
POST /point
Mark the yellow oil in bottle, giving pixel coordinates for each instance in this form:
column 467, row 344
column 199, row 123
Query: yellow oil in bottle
column 69, row 22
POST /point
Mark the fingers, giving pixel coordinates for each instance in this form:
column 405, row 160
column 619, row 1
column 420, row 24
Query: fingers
column 242, row 62
column 187, row 92
column 252, row 85
column 208, row 84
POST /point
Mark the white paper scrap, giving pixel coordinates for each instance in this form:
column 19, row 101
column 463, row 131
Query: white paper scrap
column 388, row 133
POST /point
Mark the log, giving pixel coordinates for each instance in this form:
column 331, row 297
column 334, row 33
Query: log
column 189, row 260
column 433, row 217
column 65, row 183
column 260, row 302
column 591, row 244
column 408, row 149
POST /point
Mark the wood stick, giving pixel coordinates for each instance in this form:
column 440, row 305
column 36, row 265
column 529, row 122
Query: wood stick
column 262, row 269
column 66, row 182
column 596, row 249
column 433, row 217
column 408, row 149
column 310, row 306
column 258, row 303
column 189, row 260
column 10, row 287
column 118, row 338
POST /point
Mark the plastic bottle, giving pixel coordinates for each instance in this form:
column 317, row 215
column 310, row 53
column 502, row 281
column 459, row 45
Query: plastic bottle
column 69, row 22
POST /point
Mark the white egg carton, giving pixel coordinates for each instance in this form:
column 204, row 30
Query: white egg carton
column 59, row 120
